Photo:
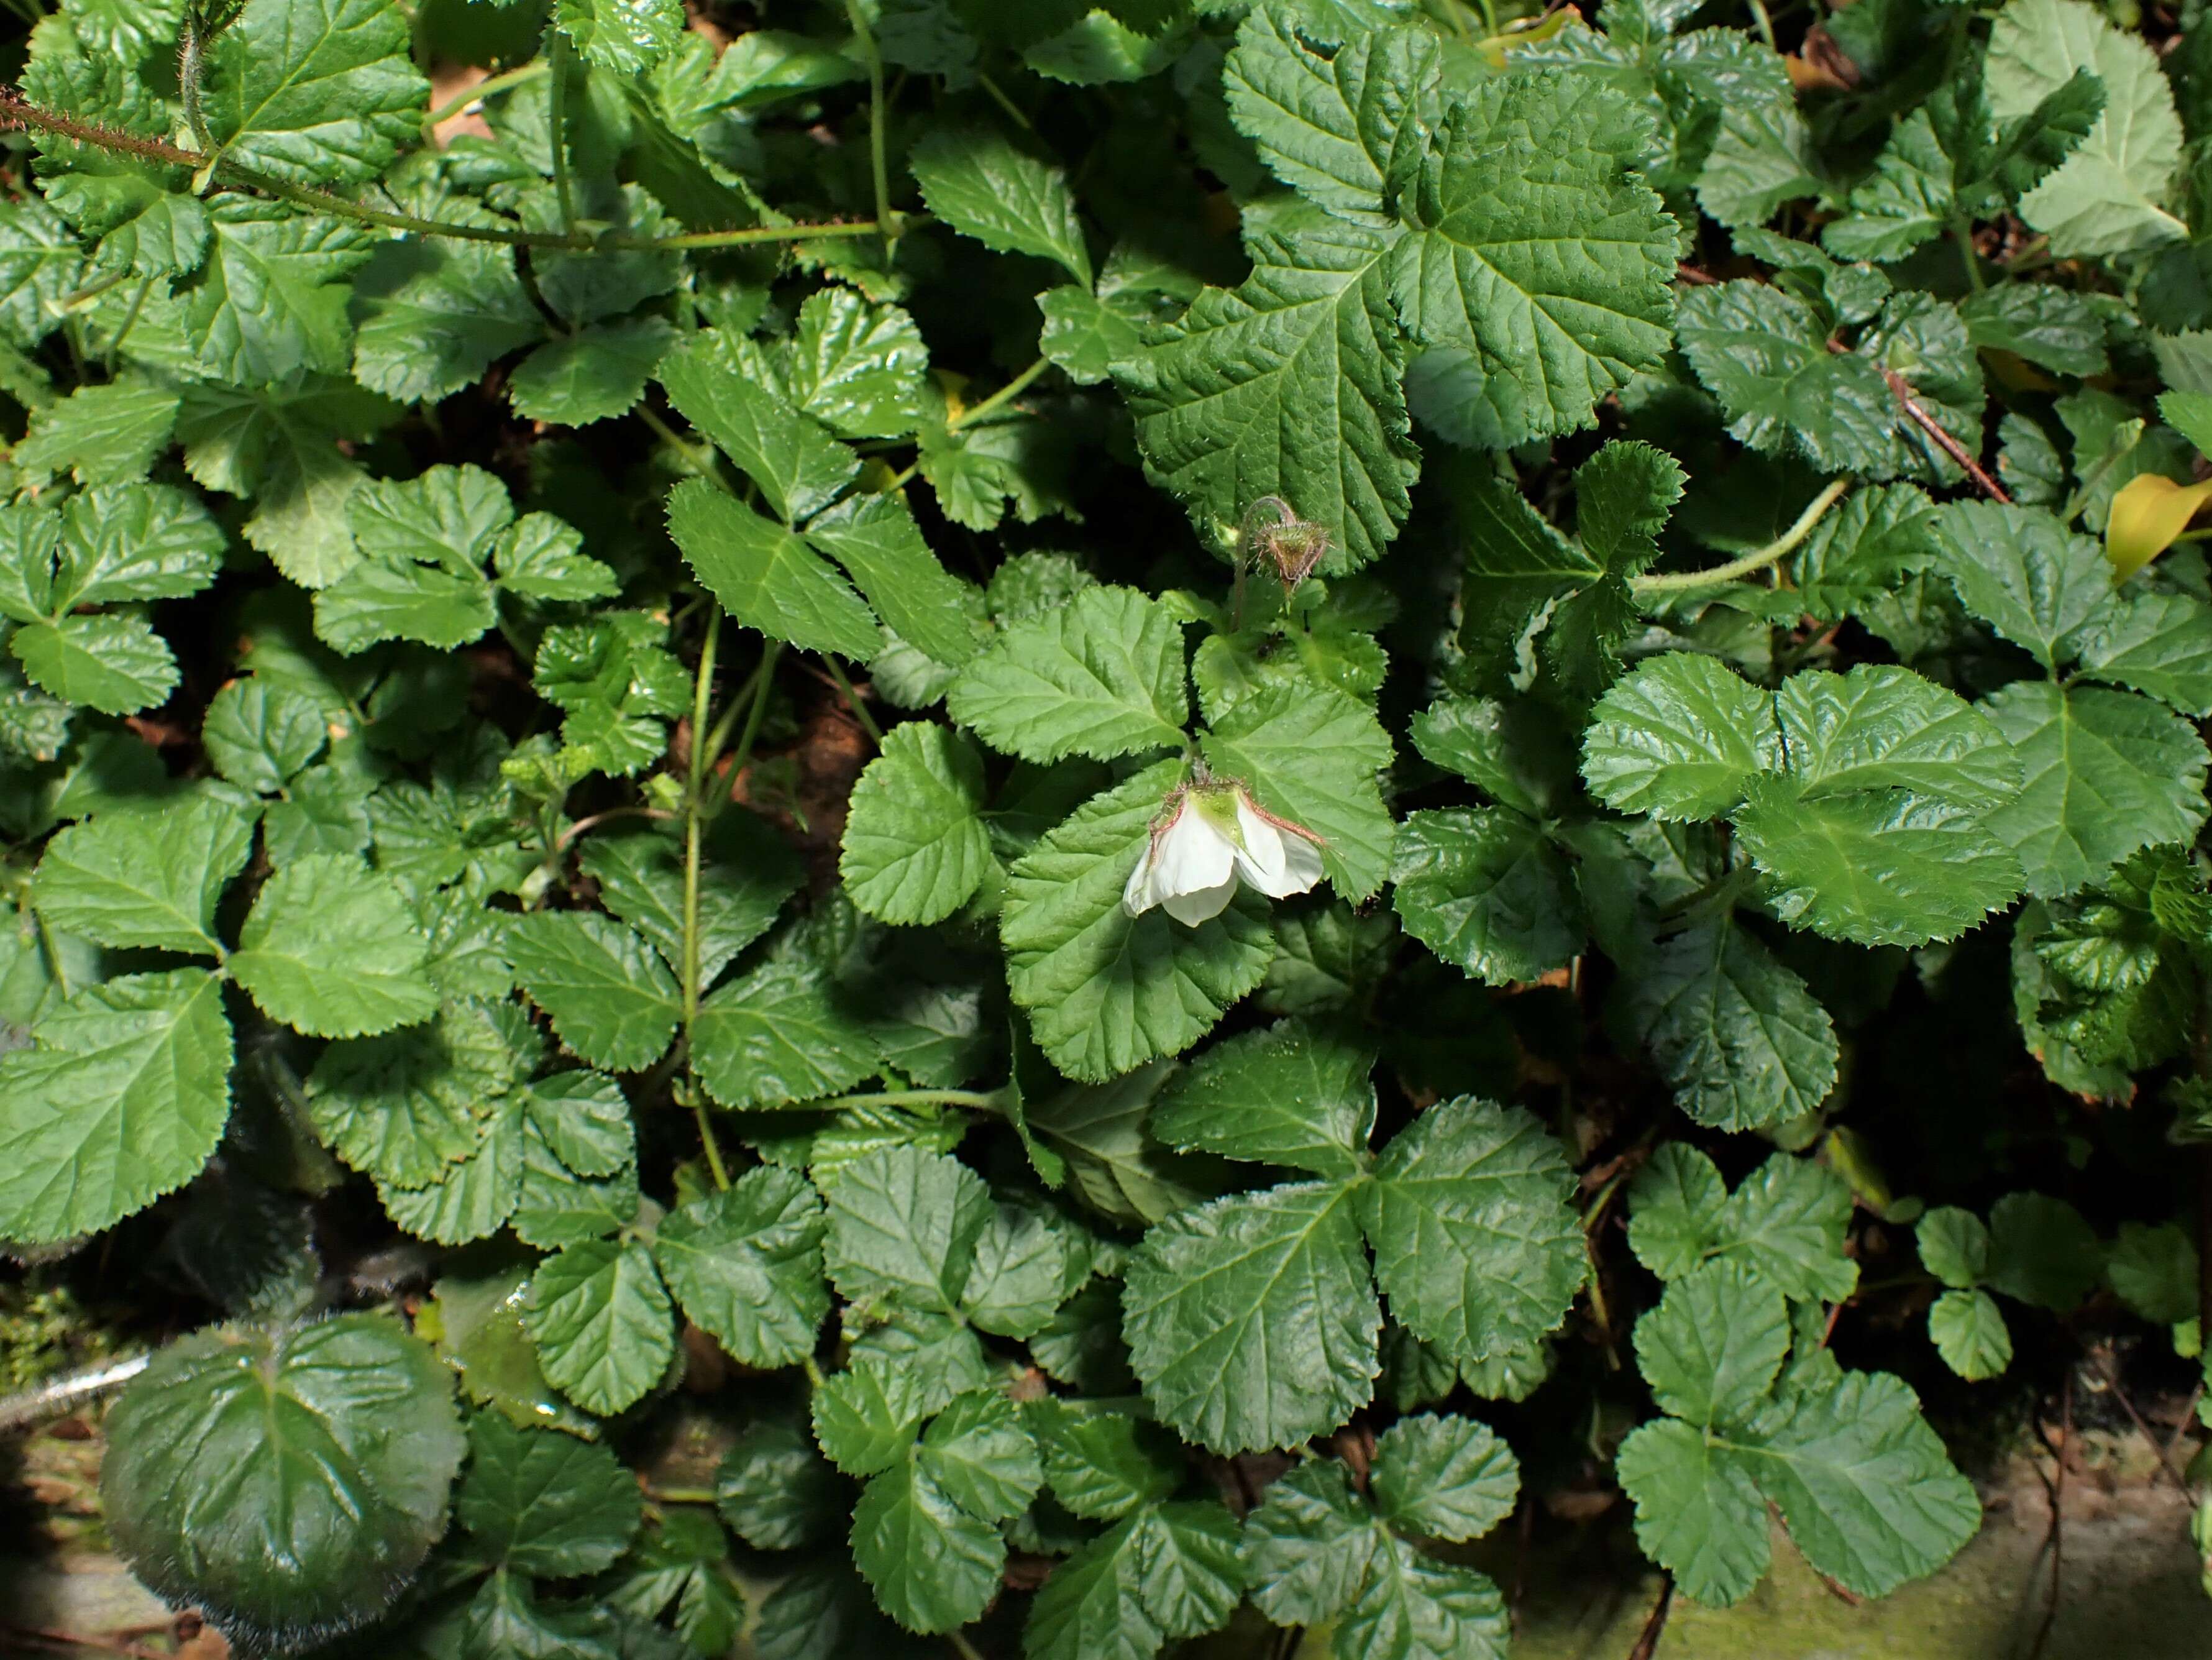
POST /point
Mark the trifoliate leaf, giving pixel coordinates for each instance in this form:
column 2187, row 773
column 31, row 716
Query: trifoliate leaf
column 1290, row 1095
column 1102, row 676
column 610, row 998
column 269, row 303
column 594, row 374
column 337, row 1442
column 1311, row 754
column 1475, row 1244
column 111, row 662
column 932, row 1566
column 1170, row 1571
column 915, row 847
column 1786, row 1221
column 119, row 1098
column 877, row 541
column 1969, row 1331
column 1737, row 1034
column 316, row 91
column 330, row 949
column 1346, row 128
column 2104, row 773
column 543, row 1503
column 2110, row 195
column 902, row 1226
column 1714, row 1345
column 1680, row 739
column 1444, row 1477
column 981, row 1457
column 765, row 577
column 1485, row 889
column 978, row 182
column 1538, row 279
column 130, row 879
column 1101, row 1464
column 1106, row 991
column 2158, row 643
column 746, row 1266
column 602, row 1324
column 782, row 1033
column 1288, row 386
column 403, row 1105
column 1251, row 1320
column 625, row 36
column 799, row 467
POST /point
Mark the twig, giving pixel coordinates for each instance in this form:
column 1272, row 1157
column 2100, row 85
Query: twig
column 1780, row 548
column 1655, row 1624
column 1686, row 273
column 489, row 87
column 592, row 821
column 2112, row 1381
column 2188, row 1417
column 59, row 1394
column 1944, row 441
column 2058, row 1490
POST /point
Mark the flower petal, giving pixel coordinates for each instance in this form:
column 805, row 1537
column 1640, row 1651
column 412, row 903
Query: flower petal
column 1302, row 860
column 1201, row 904
column 1191, row 856
column 1259, row 860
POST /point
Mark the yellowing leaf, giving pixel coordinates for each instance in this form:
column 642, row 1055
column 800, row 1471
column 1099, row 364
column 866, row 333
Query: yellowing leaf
column 2147, row 514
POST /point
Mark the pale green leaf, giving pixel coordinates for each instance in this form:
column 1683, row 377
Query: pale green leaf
column 977, row 181
column 112, row 661
column 625, row 36
column 611, row 1000
column 1101, row 677
column 602, row 1324
column 269, row 301
column 915, row 847
column 1291, row 1094
column 145, row 879
column 260, row 733
column 316, row 91
column 330, row 949
column 594, row 374
column 1969, row 1331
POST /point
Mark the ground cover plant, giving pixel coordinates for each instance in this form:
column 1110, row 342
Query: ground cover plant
column 1179, row 800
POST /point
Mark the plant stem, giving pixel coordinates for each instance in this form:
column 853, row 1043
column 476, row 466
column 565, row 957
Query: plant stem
column 129, row 322
column 694, row 826
column 489, row 87
column 1005, row 395
column 682, row 1495
column 1780, row 548
column 1766, row 24
column 557, row 54
column 716, row 1167
column 963, row 1647
column 698, row 460
column 1014, row 110
column 877, row 161
column 1963, row 230
column 853, row 701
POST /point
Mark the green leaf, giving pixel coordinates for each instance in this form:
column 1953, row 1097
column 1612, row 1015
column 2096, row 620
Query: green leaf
column 2155, row 1270
column 875, row 538
column 434, row 314
column 120, row 1097
column 744, row 879
column 113, row 663
column 1101, row 677
column 1290, row 1095
column 1734, row 1032
column 316, row 91
column 1714, row 1345
column 857, row 366
column 777, row 1490
column 1485, row 889
column 602, row 1324
column 594, row 374
column 1969, row 1331
column 780, row 1033
column 259, row 735
column 1476, row 1244
column 1444, row 1477
column 330, row 949
column 1787, row 1221
column 611, row 999
column 2052, row 327
column 1287, row 386
column 2111, row 194
column 1088, row 338
column 128, row 880
column 1345, row 128
column 746, row 1266
column 1698, row 1513
column 1311, row 754
column 543, row 1503
column 625, row 36
column 337, row 1444
column 865, row 1417
column 1101, row 1464
column 1539, row 279
column 2042, row 1252
column 765, row 577
column 2025, row 575
column 1679, row 739
column 100, row 434
column 1169, row 1571
column 1879, row 867
column 2104, row 774
column 2158, row 643
column 404, row 1105
column 799, row 467
column 1513, row 751
column 134, row 542
column 269, row 303
column 1106, row 991
column 1251, row 1320
column 1955, row 1246
column 979, row 1454
column 932, row 1566
column 915, row 847
column 978, row 182
column 902, row 1226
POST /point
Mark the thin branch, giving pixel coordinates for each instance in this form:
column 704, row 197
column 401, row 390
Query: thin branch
column 1780, row 548
column 1944, row 441
column 557, row 121
column 489, row 87
column 853, row 702
column 1655, row 1624
column 878, row 157
column 2120, row 1394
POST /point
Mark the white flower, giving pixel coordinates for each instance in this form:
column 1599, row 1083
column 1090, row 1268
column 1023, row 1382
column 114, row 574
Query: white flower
column 1209, row 838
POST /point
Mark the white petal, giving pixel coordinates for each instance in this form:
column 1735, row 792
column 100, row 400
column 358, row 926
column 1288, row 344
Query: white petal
column 1259, row 860
column 1191, row 856
column 1138, row 896
column 1303, row 859
column 1203, row 905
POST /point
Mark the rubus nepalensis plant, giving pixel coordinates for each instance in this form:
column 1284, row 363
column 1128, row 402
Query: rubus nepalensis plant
column 1002, row 751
